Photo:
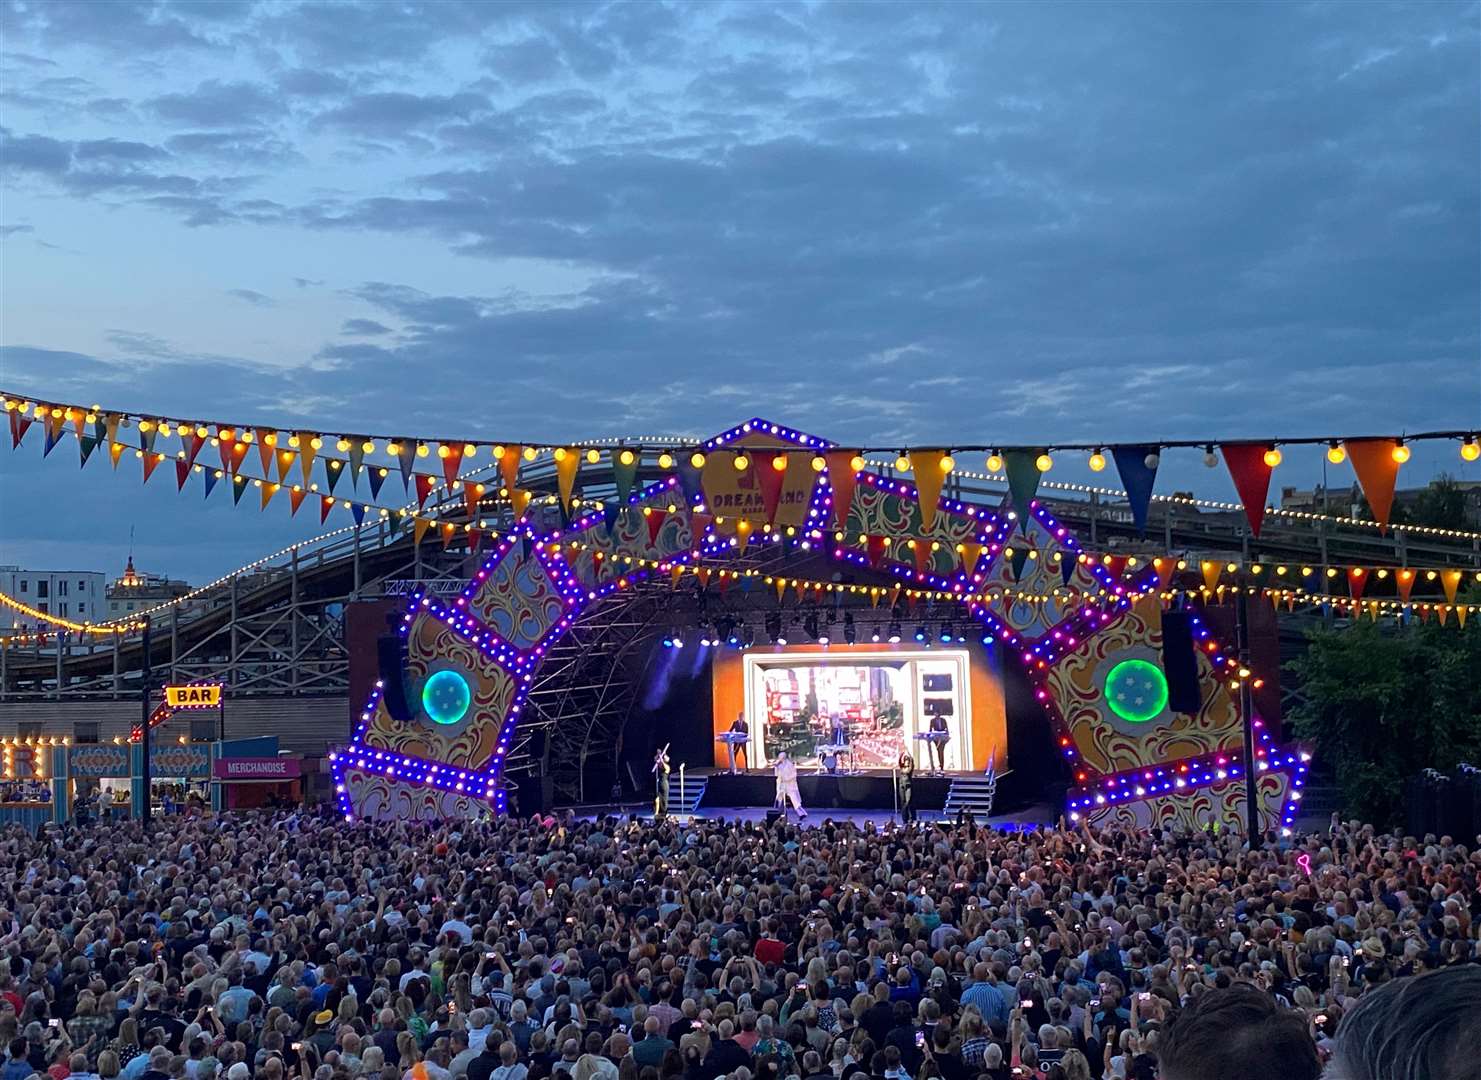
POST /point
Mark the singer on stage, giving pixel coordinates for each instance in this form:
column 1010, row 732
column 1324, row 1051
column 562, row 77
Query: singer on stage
column 740, row 727
column 904, row 774
column 938, row 744
column 786, row 785
column 661, row 782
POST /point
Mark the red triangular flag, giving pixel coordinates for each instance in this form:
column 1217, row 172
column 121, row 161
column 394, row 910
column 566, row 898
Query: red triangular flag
column 1246, row 464
column 450, row 462
column 182, row 473
column 877, row 546
column 1377, row 471
column 235, row 453
column 655, row 519
column 326, row 504
column 424, row 488
column 151, row 462
column 471, row 494
column 842, row 478
column 770, row 481
column 1115, row 566
column 1404, row 582
column 699, row 524
column 922, row 551
column 703, row 573
column 265, row 450
column 1357, row 581
column 18, row 426
column 295, row 498
column 225, row 440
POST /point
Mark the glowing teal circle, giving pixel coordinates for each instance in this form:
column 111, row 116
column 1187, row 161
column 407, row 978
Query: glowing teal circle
column 1136, row 691
column 446, row 697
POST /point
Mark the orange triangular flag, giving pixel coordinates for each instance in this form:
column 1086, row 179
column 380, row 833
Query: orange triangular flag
column 509, row 466
column 781, row 588
column 1404, row 582
column 743, row 529
column 264, row 449
column 1443, row 610
column 1357, row 580
column 842, row 479
column 1164, row 567
column 567, row 462
column 450, row 461
column 1460, row 613
column 115, row 450
column 306, row 454
column 285, row 462
column 151, row 462
column 520, row 500
column 471, row 494
column 929, row 476
column 295, row 498
column 1211, row 571
column 971, row 553
column 1377, row 471
column 269, row 489
column 703, row 573
column 448, row 529
column 1450, row 580
column 675, row 574
column 419, row 527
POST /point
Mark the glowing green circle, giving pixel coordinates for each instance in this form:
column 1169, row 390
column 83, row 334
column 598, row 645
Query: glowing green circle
column 1136, row 691
column 446, row 697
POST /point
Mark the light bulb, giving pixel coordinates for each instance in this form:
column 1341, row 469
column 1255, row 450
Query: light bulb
column 1470, row 450
column 293, row 441
column 697, row 460
column 665, row 460
column 560, row 453
column 443, row 452
column 819, row 463
column 1336, row 454
column 627, row 457
column 529, row 453
column 368, row 446
column 1043, row 462
column 1400, row 453
column 741, row 462
column 1152, row 460
column 1272, row 457
column 902, row 463
column 857, row 463
column 779, row 462
column 994, row 462
column 1097, row 462
column 593, row 456
column 342, row 445
column 947, row 463
column 1209, row 457
column 423, row 449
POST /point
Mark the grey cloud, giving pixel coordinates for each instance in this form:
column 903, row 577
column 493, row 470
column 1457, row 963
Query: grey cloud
column 364, row 327
column 217, row 104
column 250, row 146
column 253, row 297
column 396, row 115
column 308, row 82
column 304, row 283
column 15, row 230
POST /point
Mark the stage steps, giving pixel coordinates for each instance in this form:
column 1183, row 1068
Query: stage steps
column 685, row 791
column 974, row 793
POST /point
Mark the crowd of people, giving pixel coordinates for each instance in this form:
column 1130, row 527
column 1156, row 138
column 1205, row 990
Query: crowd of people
column 277, row 944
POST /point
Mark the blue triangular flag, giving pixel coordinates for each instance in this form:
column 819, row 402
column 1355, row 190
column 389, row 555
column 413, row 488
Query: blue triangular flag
column 690, row 481
column 377, row 477
column 211, row 478
column 358, row 510
column 1137, row 477
column 610, row 510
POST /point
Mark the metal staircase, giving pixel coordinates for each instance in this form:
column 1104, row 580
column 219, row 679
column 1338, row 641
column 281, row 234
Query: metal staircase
column 686, row 789
column 973, row 794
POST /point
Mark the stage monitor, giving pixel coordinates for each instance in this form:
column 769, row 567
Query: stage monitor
column 874, row 700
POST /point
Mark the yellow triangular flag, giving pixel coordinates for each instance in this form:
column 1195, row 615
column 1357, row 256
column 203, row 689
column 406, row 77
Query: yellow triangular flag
column 1211, row 571
column 781, row 588
column 419, row 529
column 1460, row 613
column 567, row 462
column 306, row 454
column 268, row 491
column 1450, row 579
column 675, row 574
column 926, row 465
column 115, row 450
column 743, row 533
column 519, row 498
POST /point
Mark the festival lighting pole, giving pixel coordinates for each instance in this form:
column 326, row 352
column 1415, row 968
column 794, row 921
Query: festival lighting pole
column 144, row 727
column 1246, row 712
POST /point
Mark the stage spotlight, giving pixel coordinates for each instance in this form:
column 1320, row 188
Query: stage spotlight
column 678, row 640
column 987, row 639
column 948, row 633
column 668, row 641
column 810, row 625
column 747, row 636
column 875, row 635
column 774, row 627
column 894, row 631
column 725, row 631
column 823, row 638
column 920, row 633
column 850, row 632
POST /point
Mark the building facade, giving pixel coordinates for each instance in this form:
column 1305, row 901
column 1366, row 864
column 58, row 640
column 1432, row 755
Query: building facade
column 78, row 595
column 134, row 592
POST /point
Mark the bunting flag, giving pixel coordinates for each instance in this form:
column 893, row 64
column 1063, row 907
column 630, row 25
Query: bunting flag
column 1357, row 581
column 1450, row 582
column 509, row 466
column 306, row 454
column 519, row 499
column 1023, row 481
column 567, row 464
column 85, row 447
column 781, row 589
column 1067, row 569
column 53, row 436
column 234, row 455
column 1377, row 472
column 268, row 490
column 1460, row 614
column 285, row 464
column 472, row 493
column 743, row 529
column 1443, row 612
column 699, row 524
column 611, row 508
column 110, row 426
column 1163, row 564
column 624, row 474
column 970, row 554
column 926, row 466
column 703, row 573
column 326, row 504
column 877, row 547
column 357, row 459
column 146, row 437
column 265, row 448
column 333, row 470
column 1115, row 565
column 452, row 458
column 1018, row 557
column 395, row 517
column 1251, row 476
column 424, row 488
column 406, row 456
column 691, row 482
column 1404, row 582
column 920, row 550
column 1211, row 571
column 19, row 425
column 842, row 479
column 211, row 476
column 151, row 462
column 182, row 473
column 655, row 519
column 377, row 476
column 239, row 485
column 226, row 444
column 675, row 573
column 295, row 499
column 191, row 443
column 357, row 511
column 419, row 527
column 1138, row 478
column 770, row 480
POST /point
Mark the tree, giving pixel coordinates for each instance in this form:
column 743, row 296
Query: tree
column 1442, row 505
column 1382, row 705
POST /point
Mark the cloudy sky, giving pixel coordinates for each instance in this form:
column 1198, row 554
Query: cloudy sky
column 876, row 221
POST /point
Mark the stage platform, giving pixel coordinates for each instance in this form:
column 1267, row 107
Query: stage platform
column 871, row 789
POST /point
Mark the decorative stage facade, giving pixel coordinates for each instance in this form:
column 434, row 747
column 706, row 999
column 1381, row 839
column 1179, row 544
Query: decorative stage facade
column 1088, row 636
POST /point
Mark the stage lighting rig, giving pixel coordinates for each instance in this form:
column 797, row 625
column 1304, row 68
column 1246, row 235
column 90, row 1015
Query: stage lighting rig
column 948, row 633
column 810, row 626
column 850, row 632
column 894, row 631
column 774, row 627
column 920, row 633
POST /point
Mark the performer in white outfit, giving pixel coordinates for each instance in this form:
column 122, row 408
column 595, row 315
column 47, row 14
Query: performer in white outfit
column 786, row 785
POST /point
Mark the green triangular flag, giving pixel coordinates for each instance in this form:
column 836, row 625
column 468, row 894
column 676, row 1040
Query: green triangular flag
column 624, row 475
column 1020, row 556
column 238, row 485
column 332, row 468
column 86, row 444
column 1023, row 480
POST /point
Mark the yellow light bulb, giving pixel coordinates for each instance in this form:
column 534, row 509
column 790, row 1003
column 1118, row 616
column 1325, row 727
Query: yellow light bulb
column 665, row 461
column 144, row 425
column 994, row 463
column 560, row 453
column 742, row 463
column 902, row 463
column 779, row 463
column 444, row 452
column 270, row 439
column 342, row 445
column 627, row 457
column 368, row 446
column 1335, row 454
column 1470, row 450
column 393, row 448
column 293, row 441
column 423, row 449
column 1272, row 457
column 593, row 456
column 469, row 450
column 1043, row 463
column 947, row 463
column 164, row 429
column 530, row 452
column 697, row 460
column 857, row 463
column 1097, row 461
column 1400, row 453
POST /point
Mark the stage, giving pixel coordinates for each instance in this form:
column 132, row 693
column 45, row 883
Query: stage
column 866, row 790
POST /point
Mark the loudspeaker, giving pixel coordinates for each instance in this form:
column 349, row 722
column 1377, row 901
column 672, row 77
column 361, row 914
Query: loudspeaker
column 773, row 816
column 536, row 794
column 390, row 654
column 1179, row 663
